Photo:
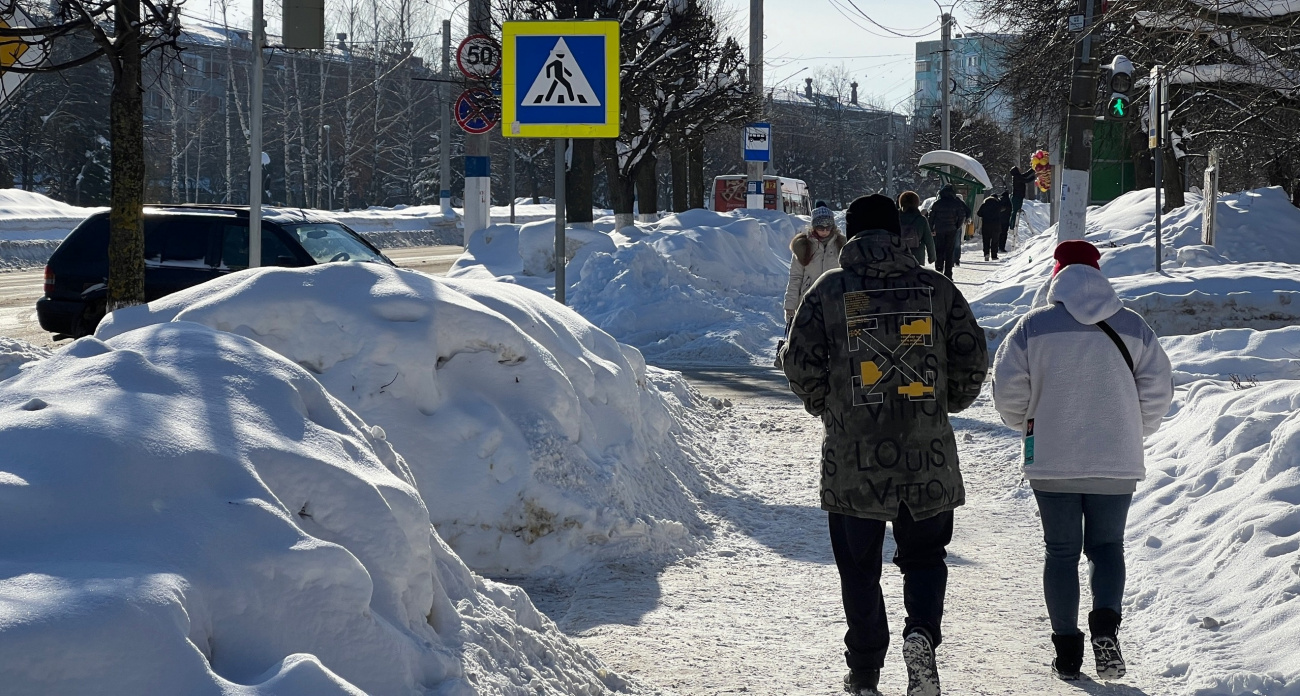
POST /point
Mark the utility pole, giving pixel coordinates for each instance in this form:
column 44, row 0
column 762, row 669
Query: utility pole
column 255, row 142
column 478, row 152
column 945, row 90
column 889, row 157
column 1157, row 129
column 754, row 170
column 444, row 144
column 1078, row 135
column 329, row 167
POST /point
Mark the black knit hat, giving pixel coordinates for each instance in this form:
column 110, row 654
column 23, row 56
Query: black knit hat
column 874, row 212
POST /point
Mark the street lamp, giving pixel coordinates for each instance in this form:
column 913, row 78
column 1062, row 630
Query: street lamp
column 329, row 167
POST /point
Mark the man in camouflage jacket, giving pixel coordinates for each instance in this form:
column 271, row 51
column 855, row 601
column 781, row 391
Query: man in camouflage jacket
column 882, row 351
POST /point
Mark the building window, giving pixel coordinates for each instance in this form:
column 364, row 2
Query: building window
column 923, row 66
column 972, row 61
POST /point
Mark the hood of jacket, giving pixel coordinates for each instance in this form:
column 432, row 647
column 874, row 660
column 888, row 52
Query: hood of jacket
column 948, row 192
column 803, row 244
column 1085, row 292
column 876, row 254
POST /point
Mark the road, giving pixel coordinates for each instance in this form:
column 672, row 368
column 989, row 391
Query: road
column 19, row 290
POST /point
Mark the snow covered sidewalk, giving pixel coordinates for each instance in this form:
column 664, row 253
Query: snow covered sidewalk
column 759, row 611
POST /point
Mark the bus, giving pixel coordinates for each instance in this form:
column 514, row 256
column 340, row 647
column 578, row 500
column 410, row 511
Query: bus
column 779, row 193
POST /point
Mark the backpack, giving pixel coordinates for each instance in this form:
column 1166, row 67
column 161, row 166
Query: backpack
column 910, row 225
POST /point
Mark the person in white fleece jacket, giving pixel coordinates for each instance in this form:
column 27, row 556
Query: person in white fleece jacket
column 1084, row 380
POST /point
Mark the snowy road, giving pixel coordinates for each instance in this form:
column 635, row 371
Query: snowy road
column 758, row 612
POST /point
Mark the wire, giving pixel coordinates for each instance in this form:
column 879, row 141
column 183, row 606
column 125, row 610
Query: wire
column 904, row 33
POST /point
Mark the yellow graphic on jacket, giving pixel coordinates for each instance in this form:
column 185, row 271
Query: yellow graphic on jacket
column 916, row 391
column 870, row 373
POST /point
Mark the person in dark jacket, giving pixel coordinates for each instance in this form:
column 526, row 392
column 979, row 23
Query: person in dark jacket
column 882, row 351
column 915, row 228
column 947, row 216
column 990, row 213
column 1018, row 183
column 1004, row 203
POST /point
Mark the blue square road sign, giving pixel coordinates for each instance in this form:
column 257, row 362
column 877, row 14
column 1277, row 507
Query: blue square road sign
column 560, row 79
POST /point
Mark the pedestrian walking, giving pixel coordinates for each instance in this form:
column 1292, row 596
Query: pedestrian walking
column 1018, row 183
column 815, row 251
column 1084, row 380
column 882, row 351
column 915, row 228
column 1004, row 222
column 947, row 217
column 990, row 213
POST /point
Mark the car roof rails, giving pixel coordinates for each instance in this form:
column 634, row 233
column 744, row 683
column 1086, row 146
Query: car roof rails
column 239, row 210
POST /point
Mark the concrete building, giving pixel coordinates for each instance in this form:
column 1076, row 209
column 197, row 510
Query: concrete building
column 975, row 67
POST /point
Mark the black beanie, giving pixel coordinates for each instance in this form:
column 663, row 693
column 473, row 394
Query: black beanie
column 874, row 212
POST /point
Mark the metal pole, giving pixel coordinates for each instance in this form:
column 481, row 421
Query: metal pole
column 512, row 181
column 478, row 152
column 1077, row 162
column 559, row 220
column 255, row 144
column 329, row 168
column 444, row 147
column 1156, row 141
column 889, row 159
column 754, row 170
column 945, row 96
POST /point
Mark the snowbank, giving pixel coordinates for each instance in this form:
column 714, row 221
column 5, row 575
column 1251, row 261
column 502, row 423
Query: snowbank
column 698, row 287
column 183, row 511
column 1248, row 279
column 25, row 215
column 1245, row 355
column 14, row 353
column 1213, row 539
column 538, row 442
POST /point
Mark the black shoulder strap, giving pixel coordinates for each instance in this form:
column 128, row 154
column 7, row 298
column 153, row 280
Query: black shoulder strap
column 1118, row 343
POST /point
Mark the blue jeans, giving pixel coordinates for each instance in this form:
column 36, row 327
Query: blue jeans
column 1093, row 524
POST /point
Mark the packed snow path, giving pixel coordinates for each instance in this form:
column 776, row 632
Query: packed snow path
column 759, row 611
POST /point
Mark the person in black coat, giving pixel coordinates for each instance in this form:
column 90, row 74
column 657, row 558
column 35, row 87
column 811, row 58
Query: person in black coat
column 1004, row 203
column 1018, row 183
column 990, row 213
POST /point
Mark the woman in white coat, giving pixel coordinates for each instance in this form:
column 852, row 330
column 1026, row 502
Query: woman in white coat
column 1084, row 380
column 815, row 252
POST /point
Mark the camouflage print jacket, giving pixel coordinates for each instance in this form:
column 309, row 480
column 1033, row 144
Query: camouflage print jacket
column 883, row 350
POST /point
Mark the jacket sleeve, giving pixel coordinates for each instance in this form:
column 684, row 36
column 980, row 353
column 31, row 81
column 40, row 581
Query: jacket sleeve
column 805, row 355
column 968, row 354
column 1155, row 381
column 1012, row 389
column 792, row 295
column 927, row 240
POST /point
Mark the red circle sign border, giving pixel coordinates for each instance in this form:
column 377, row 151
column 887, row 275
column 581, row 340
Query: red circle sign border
column 460, row 64
column 461, row 122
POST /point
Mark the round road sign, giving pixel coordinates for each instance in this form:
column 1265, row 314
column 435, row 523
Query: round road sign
column 478, row 57
column 477, row 111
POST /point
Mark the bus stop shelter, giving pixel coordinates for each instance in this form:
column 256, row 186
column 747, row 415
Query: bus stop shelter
column 962, row 171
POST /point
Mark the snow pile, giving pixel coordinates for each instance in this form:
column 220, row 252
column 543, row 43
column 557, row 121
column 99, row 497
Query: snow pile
column 183, row 511
column 538, row 442
column 694, row 288
column 14, row 353
column 1249, row 279
column 1243, row 355
column 426, row 225
column 1214, row 539
column 25, row 215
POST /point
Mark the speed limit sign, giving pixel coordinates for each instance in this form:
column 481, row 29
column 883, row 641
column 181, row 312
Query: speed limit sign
column 479, row 57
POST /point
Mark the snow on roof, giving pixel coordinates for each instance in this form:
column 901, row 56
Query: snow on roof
column 956, row 159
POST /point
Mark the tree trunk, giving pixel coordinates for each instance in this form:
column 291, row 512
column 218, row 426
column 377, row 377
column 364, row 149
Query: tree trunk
column 174, row 161
column 679, row 158
column 126, row 225
column 621, row 193
column 579, row 183
column 1173, row 176
column 647, row 188
column 696, row 188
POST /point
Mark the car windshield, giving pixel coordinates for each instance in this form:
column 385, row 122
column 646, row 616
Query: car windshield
column 328, row 242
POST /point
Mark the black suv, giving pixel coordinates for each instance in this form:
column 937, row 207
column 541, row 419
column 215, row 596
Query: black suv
column 183, row 247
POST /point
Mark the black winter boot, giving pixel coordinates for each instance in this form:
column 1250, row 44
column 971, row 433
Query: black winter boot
column 861, row 682
column 1104, row 625
column 1069, row 656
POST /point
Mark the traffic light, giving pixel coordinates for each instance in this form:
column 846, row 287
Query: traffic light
column 1119, row 107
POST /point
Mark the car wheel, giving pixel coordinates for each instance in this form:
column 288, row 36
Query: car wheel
column 92, row 312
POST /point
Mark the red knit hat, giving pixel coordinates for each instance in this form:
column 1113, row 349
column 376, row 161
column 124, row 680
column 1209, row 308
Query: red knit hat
column 1075, row 251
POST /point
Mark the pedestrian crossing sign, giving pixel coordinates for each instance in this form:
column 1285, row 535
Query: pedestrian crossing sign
column 559, row 79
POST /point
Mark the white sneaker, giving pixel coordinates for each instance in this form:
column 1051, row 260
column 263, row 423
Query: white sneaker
column 922, row 674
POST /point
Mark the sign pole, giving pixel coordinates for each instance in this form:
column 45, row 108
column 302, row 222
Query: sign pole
column 255, row 143
column 754, row 169
column 559, row 220
column 478, row 160
column 444, row 144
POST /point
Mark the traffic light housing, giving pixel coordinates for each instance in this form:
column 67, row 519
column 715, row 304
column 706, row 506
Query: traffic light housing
column 1119, row 107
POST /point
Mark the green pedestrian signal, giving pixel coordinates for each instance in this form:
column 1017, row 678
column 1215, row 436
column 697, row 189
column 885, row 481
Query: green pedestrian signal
column 1118, row 108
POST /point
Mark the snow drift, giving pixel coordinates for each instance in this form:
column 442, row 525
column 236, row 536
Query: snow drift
column 186, row 512
column 538, row 442
column 1248, row 280
column 698, row 287
column 1241, row 355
